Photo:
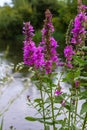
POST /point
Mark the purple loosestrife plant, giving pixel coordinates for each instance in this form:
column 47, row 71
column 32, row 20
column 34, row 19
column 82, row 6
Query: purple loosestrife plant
column 44, row 58
column 75, row 60
column 54, row 102
column 78, row 34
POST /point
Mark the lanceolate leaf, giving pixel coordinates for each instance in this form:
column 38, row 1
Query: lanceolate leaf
column 31, row 118
column 39, row 119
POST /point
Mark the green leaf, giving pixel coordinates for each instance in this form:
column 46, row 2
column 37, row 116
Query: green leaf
column 74, row 127
column 31, row 118
column 83, row 95
column 84, row 48
column 83, row 78
column 83, row 84
column 48, row 100
column 67, row 107
column 38, row 100
column 62, row 122
column 68, row 78
column 77, row 73
column 60, row 98
column 78, row 61
column 48, row 90
column 39, row 119
column 84, row 108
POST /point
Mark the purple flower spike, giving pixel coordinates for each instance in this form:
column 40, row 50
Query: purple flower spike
column 33, row 55
column 78, row 31
column 49, row 44
column 78, row 35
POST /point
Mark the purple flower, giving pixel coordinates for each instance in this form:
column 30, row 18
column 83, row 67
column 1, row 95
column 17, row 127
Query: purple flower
column 69, row 65
column 33, row 56
column 48, row 66
column 57, row 92
column 29, row 54
column 69, row 52
column 39, row 62
column 82, row 8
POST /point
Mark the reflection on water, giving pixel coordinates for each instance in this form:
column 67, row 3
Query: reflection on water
column 13, row 101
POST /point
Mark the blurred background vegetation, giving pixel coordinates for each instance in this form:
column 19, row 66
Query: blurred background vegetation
column 12, row 18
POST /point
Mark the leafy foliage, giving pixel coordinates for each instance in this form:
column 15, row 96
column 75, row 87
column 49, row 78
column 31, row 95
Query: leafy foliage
column 10, row 22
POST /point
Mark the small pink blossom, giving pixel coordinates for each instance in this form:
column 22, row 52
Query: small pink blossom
column 77, row 83
column 57, row 92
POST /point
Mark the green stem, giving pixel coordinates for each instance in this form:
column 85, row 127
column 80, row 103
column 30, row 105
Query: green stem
column 84, row 123
column 69, row 116
column 76, row 106
column 43, row 107
column 52, row 107
column 41, row 94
